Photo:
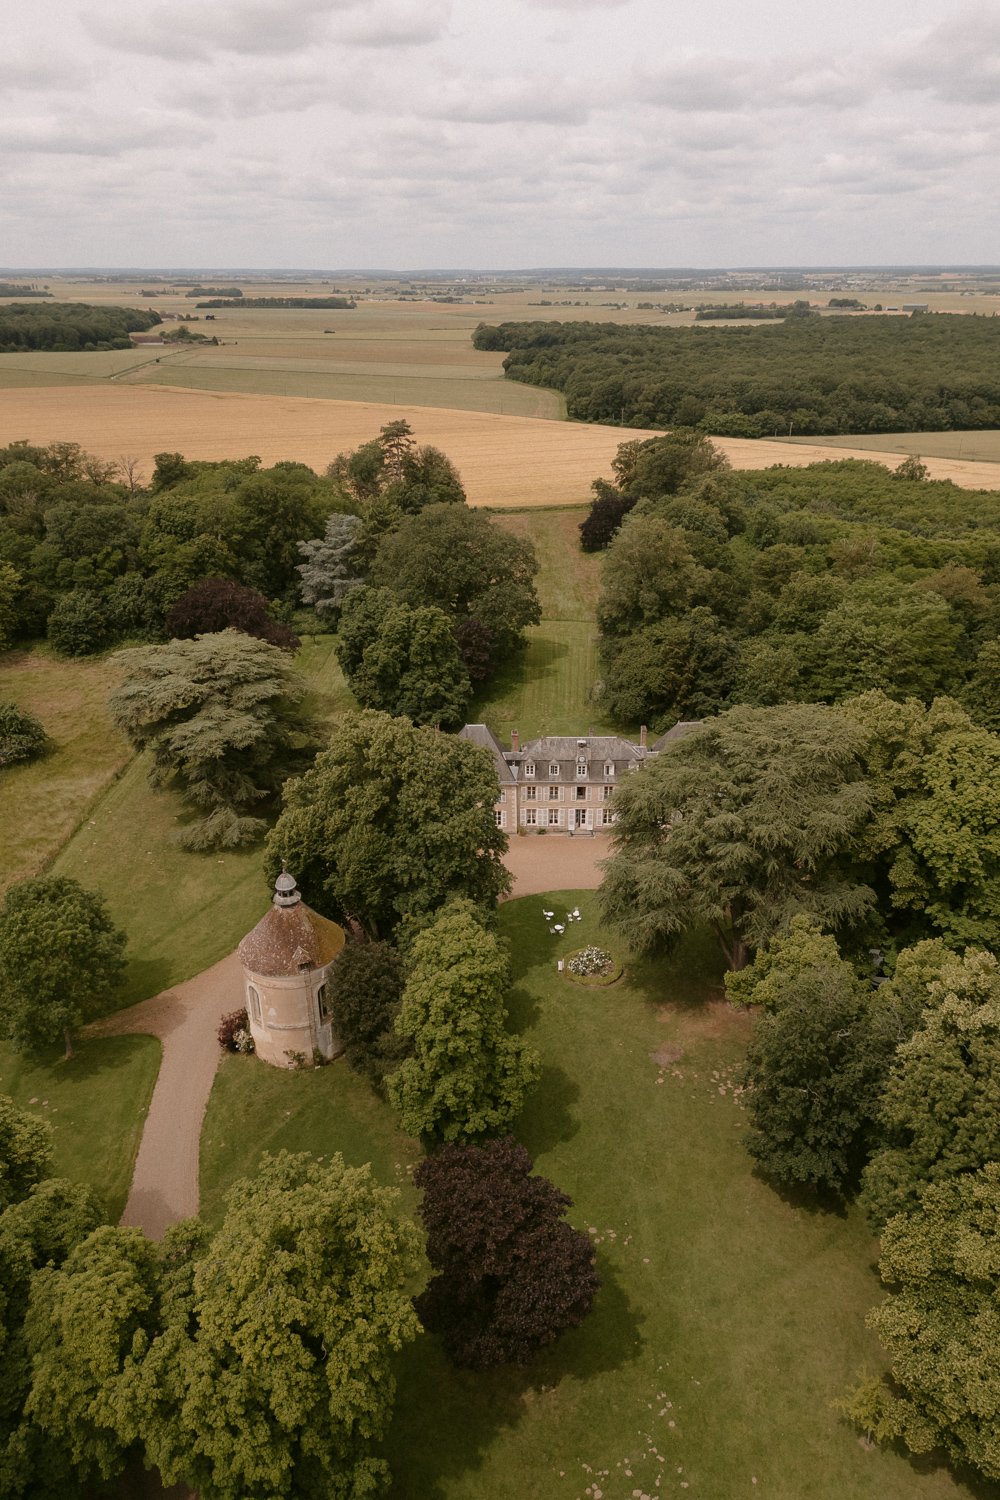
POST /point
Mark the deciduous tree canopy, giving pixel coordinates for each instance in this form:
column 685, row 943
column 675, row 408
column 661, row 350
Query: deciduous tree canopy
column 467, row 1076
column 391, row 822
column 741, row 825
column 61, row 958
column 510, row 1274
column 219, row 715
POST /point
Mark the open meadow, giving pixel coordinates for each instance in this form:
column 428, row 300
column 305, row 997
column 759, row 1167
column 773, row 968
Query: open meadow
column 730, row 1318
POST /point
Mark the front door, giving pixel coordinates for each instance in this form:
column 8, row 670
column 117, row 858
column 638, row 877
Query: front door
column 581, row 817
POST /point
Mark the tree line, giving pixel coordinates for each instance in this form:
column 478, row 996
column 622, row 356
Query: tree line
column 847, row 860
column 781, row 585
column 203, row 570
column 238, row 300
column 812, row 375
column 69, row 326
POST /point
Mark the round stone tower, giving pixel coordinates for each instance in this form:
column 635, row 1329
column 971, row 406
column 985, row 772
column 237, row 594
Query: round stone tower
column 286, row 960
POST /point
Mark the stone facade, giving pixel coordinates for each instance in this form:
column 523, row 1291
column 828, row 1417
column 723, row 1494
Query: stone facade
column 564, row 783
column 286, row 961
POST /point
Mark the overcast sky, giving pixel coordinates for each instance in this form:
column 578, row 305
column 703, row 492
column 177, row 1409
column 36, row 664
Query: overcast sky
column 499, row 133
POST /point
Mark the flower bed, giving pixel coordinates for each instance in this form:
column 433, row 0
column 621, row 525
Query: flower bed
column 592, row 966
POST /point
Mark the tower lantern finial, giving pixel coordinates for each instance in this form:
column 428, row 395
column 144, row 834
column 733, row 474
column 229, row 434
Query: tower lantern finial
column 286, row 892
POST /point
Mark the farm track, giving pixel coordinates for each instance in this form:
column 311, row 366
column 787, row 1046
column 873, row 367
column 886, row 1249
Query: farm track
column 504, row 461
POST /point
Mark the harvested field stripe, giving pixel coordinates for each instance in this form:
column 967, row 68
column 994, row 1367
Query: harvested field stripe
column 504, row 461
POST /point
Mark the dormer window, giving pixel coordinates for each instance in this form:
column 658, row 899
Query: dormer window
column 609, row 769
column 581, row 768
column 553, row 768
column 529, row 768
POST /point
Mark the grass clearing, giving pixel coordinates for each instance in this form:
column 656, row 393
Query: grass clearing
column 322, row 1110
column 549, row 688
column 182, row 911
column 96, row 1103
column 729, row 1320
column 42, row 802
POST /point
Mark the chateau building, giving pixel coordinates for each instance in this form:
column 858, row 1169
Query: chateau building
column 564, row 783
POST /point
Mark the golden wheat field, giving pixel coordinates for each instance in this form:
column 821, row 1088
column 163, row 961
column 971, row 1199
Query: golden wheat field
column 504, row 461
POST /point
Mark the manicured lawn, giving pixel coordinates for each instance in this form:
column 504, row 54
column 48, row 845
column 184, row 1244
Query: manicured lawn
column 181, row 911
column 549, row 688
column 256, row 1108
column 96, row 1103
column 42, row 802
column 730, row 1318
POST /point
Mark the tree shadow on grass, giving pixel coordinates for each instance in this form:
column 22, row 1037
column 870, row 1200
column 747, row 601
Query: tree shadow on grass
column 805, row 1199
column 548, row 1117
column 144, row 977
column 447, row 1420
column 687, row 977
column 936, row 1462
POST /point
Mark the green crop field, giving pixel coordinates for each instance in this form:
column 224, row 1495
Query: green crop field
column 983, row 447
column 411, row 386
column 730, row 1318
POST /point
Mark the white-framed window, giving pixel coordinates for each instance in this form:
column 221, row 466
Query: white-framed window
column 607, row 792
column 529, row 768
column 530, row 816
column 554, row 816
column 581, row 793
column 501, row 818
column 607, row 816
column 503, row 795
column 531, row 793
column 553, row 768
column 581, row 768
column 555, row 793
column 253, row 1002
column 609, row 768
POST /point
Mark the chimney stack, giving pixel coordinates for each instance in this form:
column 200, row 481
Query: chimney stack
column 642, row 737
column 515, row 741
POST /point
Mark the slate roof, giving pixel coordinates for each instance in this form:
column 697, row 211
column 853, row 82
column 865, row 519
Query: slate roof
column 288, row 939
column 567, row 747
column 680, row 730
column 479, row 734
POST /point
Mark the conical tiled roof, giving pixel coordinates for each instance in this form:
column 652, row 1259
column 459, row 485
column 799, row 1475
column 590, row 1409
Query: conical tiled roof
column 290, row 937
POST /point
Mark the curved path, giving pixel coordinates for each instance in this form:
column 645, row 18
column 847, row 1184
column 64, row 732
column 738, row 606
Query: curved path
column 186, row 1018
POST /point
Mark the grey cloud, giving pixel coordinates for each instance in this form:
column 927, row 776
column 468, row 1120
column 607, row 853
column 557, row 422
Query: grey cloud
column 699, row 83
column 396, row 23
column 543, row 101
column 595, row 5
column 958, row 61
column 79, row 136
column 193, row 32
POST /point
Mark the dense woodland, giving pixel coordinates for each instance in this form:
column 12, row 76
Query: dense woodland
column 928, row 372
column 781, row 585
column 70, row 325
